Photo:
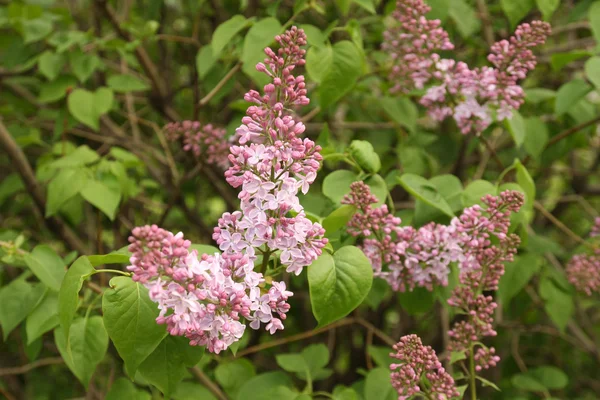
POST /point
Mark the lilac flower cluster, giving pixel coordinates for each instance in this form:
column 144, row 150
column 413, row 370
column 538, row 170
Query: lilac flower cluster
column 203, row 299
column 583, row 270
column 206, row 141
column 411, row 257
column 271, row 164
column 487, row 245
column 419, row 362
column 473, row 97
column 207, row 298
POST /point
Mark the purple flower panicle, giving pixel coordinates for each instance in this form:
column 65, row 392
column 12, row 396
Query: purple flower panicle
column 206, row 141
column 419, row 371
column 473, row 97
column 583, row 270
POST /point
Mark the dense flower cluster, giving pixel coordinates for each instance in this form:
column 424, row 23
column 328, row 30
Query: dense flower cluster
column 206, row 141
column 271, row 164
column 583, row 270
column 205, row 299
column 487, row 245
column 473, row 97
column 418, row 362
column 402, row 255
column 477, row 241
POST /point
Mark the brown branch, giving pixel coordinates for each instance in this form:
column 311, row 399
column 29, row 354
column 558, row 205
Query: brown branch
column 558, row 223
column 23, row 369
column 220, row 85
column 488, row 29
column 210, row 385
column 21, row 164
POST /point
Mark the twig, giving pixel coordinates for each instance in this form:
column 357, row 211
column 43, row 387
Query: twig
column 294, row 338
column 385, row 338
column 180, row 39
column 311, row 114
column 210, row 385
column 20, row 163
column 23, row 369
column 220, row 85
column 492, row 152
column 488, row 29
column 135, row 129
column 558, row 224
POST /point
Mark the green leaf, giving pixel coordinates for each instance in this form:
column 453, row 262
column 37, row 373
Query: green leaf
column 538, row 95
column 378, row 385
column 536, row 137
column 233, row 374
column 192, row 391
column 87, row 107
column 476, row 190
column 569, row 94
column 528, row 383
column 559, row 60
column 204, row 249
column 123, row 388
column 17, row 299
column 338, row 283
column 36, row 29
column 88, row 343
column 516, row 127
column 526, row 182
column 264, row 386
column 516, row 276
column 319, row 60
column 47, row 266
column 366, row 4
column 205, row 60
column 337, row 184
column 63, row 187
column 291, row 362
column 365, row 156
column 550, row 376
column 126, row 83
column 417, row 301
column 547, row 7
column 338, row 219
column 345, row 70
column 516, row 10
column 68, row 296
column 81, row 156
column 56, row 89
column 592, row 71
column 130, row 320
column 401, row 110
column 557, row 303
column 50, row 64
column 594, row 17
column 225, row 32
column 102, row 197
column 259, row 36
column 83, row 65
column 381, row 356
column 166, row 366
column 465, row 18
column 487, row 383
column 423, row 190
column 309, row 363
column 43, row 318
column 314, row 36
column 116, row 257
column 457, row 356
column 450, row 188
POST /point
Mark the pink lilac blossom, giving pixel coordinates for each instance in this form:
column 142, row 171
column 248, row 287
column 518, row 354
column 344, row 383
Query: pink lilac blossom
column 416, row 363
column 207, row 299
column 203, row 141
column 404, row 256
column 487, row 245
column 271, row 164
column 473, row 97
column 203, row 299
column 478, row 242
column 583, row 270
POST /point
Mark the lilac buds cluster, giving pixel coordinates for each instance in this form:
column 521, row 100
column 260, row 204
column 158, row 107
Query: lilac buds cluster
column 420, row 371
column 473, row 97
column 583, row 270
column 206, row 141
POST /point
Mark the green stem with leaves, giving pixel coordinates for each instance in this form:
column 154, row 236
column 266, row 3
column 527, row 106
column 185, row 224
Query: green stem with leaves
column 472, row 375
